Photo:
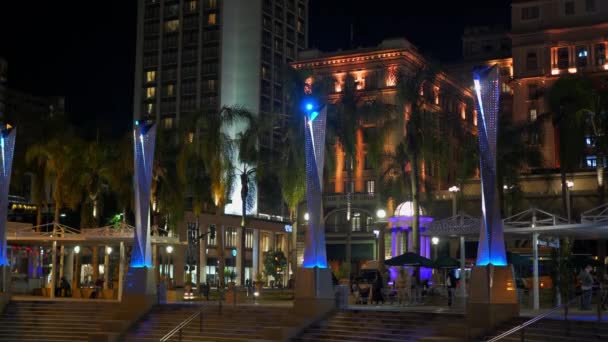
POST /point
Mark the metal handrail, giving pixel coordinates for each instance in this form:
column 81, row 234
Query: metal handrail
column 533, row 320
column 179, row 327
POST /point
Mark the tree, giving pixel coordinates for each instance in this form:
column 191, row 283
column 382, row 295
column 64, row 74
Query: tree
column 120, row 175
column 275, row 264
column 217, row 151
column 59, row 159
column 93, row 173
column 567, row 97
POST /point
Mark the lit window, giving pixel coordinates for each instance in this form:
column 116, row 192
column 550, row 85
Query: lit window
column 150, row 92
column 436, row 94
column 211, row 3
column 590, row 5
column 391, row 76
column 308, row 85
column 150, row 76
column 211, row 19
column 569, row 8
column 475, row 117
column 168, row 123
column 190, row 137
column 581, row 56
column 371, row 186
column 533, row 114
column 463, row 111
column 338, row 86
column 589, row 141
column 150, row 108
column 505, row 87
column 591, row 161
column 530, row 13
column 192, row 6
column 355, row 222
column 170, row 90
column 172, row 25
column 360, row 82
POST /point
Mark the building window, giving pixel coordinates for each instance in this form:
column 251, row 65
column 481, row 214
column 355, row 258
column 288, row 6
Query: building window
column 170, row 90
column 531, row 61
column 463, row 111
column 589, row 141
column 168, row 123
column 475, row 117
column 190, row 137
column 191, row 6
column 265, row 242
column 532, row 114
column 150, row 92
column 211, row 19
column 172, row 25
column 211, row 4
column 150, row 76
column 569, row 8
column 505, row 87
column 230, row 235
column 150, row 108
column 532, row 92
column 360, row 82
column 355, row 222
column 590, row 6
column 249, row 238
column 581, row 56
column 600, row 54
column 591, row 161
column 530, row 13
column 370, row 185
column 562, row 58
column 210, row 85
column 210, row 241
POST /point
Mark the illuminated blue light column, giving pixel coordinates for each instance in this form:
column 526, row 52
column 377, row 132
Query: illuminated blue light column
column 141, row 284
column 314, row 291
column 144, row 138
column 492, row 298
column 491, row 239
column 314, row 252
column 7, row 146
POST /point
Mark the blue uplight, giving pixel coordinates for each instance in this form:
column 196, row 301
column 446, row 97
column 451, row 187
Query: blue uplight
column 136, row 122
column 309, row 106
column 313, row 115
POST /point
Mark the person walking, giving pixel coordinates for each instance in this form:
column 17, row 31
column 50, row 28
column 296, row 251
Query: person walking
column 377, row 290
column 451, row 281
column 586, row 286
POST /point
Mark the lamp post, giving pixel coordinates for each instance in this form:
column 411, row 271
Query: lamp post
column 76, row 280
column 569, row 186
column 454, row 189
column 435, row 242
column 169, row 250
column 106, row 267
column 381, row 224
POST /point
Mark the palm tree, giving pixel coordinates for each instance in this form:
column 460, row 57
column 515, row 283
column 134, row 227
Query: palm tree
column 567, row 97
column 60, row 159
column 217, row 151
column 94, row 172
column 120, row 175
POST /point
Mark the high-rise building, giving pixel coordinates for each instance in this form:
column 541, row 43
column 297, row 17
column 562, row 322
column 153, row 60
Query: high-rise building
column 200, row 55
column 3, row 77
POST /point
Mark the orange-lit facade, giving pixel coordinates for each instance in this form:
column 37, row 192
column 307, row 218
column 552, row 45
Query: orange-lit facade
column 374, row 72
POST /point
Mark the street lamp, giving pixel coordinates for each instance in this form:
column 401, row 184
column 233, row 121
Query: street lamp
column 306, row 216
column 76, row 280
column 108, row 250
column 435, row 242
column 381, row 213
column 169, row 250
column 379, row 233
column 569, row 186
column 454, row 189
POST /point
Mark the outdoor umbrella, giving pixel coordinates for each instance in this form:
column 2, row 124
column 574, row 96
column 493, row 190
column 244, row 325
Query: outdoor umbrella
column 446, row 262
column 409, row 259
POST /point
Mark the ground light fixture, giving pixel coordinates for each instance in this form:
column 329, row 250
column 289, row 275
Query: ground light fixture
column 77, row 249
column 454, row 189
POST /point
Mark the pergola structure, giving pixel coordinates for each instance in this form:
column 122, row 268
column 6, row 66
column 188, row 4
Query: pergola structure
column 55, row 235
column 534, row 224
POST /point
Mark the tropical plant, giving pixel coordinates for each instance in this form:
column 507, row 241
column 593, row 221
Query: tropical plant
column 120, row 175
column 567, row 98
column 275, row 264
column 93, row 173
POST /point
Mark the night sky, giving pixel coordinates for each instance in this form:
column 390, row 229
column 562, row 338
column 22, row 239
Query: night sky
column 85, row 50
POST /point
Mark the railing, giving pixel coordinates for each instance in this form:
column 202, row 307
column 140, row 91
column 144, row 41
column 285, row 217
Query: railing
column 522, row 327
column 178, row 329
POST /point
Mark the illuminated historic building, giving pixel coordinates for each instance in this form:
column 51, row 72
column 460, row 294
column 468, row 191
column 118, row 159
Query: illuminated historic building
column 374, row 73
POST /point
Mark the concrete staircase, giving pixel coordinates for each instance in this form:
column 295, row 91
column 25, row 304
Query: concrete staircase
column 52, row 321
column 555, row 330
column 241, row 323
column 372, row 325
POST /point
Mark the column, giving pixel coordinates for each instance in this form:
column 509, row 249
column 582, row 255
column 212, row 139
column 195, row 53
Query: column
column 121, row 270
column 394, row 242
column 106, row 267
column 399, row 238
column 95, row 263
column 61, row 258
column 463, row 278
column 155, row 263
column 76, row 279
column 381, row 247
column 69, row 265
column 240, row 256
column 178, row 258
column 255, row 253
column 536, row 291
column 202, row 260
column 53, row 270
